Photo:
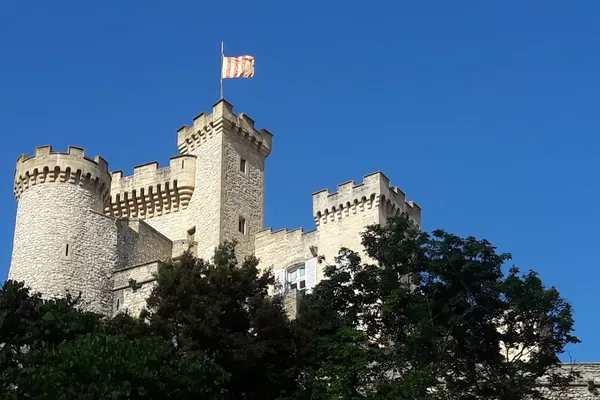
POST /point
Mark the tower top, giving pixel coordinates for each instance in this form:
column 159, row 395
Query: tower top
column 71, row 166
column 222, row 117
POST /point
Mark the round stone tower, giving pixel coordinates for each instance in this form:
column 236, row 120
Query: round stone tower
column 60, row 195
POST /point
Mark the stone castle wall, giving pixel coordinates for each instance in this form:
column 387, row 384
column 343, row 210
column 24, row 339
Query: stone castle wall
column 243, row 190
column 584, row 387
column 59, row 239
column 340, row 218
column 132, row 298
column 220, row 141
column 139, row 243
column 63, row 241
column 343, row 215
column 283, row 248
column 152, row 191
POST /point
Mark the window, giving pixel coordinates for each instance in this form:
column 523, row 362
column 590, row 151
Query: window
column 66, row 253
column 118, row 303
column 242, row 165
column 242, row 225
column 296, row 277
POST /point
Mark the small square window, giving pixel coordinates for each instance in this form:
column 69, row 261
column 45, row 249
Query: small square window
column 243, row 165
column 242, row 225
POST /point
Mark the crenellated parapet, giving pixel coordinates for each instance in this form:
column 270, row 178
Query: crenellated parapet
column 206, row 126
column 351, row 199
column 285, row 236
column 72, row 166
column 153, row 191
column 282, row 248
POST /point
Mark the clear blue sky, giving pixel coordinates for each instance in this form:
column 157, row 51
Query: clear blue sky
column 483, row 112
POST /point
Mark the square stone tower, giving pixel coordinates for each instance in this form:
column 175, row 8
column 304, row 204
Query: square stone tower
column 211, row 192
column 228, row 200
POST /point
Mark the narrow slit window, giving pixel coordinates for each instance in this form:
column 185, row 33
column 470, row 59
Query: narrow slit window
column 66, row 251
column 243, row 165
column 118, row 303
column 242, row 225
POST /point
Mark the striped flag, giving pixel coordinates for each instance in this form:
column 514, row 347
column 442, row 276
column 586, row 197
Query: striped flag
column 238, row 67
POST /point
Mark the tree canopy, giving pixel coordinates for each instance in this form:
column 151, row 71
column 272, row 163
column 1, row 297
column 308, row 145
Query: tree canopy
column 433, row 317
column 417, row 315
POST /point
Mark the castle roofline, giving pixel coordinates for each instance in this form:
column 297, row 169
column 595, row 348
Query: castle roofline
column 222, row 118
column 375, row 188
column 72, row 166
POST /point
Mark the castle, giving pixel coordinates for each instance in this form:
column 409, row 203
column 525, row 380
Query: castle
column 83, row 229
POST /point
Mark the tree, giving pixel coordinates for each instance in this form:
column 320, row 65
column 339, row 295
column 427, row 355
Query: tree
column 29, row 324
column 222, row 309
column 428, row 317
column 434, row 317
column 51, row 349
column 99, row 366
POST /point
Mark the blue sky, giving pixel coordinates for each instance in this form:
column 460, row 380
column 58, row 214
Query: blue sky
column 484, row 113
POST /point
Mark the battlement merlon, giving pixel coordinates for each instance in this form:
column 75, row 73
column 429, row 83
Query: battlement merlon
column 72, row 166
column 222, row 117
column 375, row 190
column 152, row 190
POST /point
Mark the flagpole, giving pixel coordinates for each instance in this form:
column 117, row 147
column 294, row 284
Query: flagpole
column 222, row 55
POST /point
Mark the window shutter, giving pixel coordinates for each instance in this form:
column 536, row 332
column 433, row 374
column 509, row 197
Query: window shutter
column 311, row 273
column 279, row 280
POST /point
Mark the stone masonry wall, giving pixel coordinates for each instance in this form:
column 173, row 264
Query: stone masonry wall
column 152, row 191
column 60, row 245
column 243, row 192
column 171, row 225
column 202, row 211
column 217, row 140
column 139, row 243
column 340, row 217
column 343, row 215
column 586, row 387
column 127, row 298
column 282, row 249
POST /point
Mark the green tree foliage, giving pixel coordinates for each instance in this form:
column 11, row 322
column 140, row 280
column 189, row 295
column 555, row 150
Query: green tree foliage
column 424, row 317
column 114, row 367
column 29, row 324
column 51, row 349
column 433, row 317
column 223, row 309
